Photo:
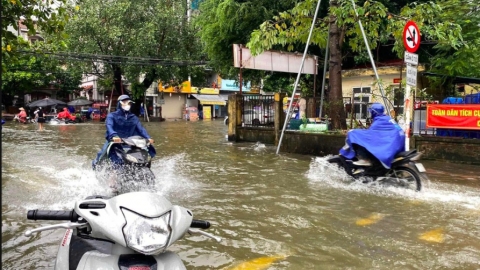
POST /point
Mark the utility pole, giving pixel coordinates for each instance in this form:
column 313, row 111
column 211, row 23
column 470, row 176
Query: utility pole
column 298, row 77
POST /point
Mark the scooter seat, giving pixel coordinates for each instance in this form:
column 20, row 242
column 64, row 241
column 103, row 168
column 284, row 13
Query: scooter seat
column 406, row 153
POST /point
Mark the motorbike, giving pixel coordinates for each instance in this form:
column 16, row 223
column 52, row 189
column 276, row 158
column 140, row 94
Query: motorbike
column 128, row 163
column 28, row 120
column 129, row 231
column 405, row 170
column 59, row 121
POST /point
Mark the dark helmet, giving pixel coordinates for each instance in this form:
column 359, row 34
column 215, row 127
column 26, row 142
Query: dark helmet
column 376, row 109
column 123, row 97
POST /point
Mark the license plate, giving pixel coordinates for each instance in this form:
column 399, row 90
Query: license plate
column 420, row 167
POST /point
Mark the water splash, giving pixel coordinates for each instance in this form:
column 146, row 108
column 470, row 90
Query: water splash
column 54, row 178
column 321, row 171
column 259, row 146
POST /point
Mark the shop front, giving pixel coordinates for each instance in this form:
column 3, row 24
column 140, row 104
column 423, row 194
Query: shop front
column 211, row 103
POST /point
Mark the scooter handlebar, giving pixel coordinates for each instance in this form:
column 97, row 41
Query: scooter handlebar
column 201, row 224
column 52, row 215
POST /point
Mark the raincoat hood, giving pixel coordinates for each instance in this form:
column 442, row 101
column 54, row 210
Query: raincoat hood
column 376, row 109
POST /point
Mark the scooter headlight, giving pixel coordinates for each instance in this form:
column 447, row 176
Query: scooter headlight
column 140, row 143
column 148, row 236
column 131, row 158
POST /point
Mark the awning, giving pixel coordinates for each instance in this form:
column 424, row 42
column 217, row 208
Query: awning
column 210, row 99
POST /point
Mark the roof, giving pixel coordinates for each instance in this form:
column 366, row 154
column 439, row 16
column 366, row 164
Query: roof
column 456, row 79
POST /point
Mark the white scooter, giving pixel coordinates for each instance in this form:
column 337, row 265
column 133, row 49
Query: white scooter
column 129, row 231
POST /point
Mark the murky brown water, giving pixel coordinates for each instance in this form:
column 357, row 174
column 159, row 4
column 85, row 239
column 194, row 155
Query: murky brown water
column 292, row 211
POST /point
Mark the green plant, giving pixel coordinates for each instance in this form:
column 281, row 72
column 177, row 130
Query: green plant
column 304, row 121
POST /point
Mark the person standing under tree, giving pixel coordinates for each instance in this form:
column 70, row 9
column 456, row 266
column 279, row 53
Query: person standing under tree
column 39, row 115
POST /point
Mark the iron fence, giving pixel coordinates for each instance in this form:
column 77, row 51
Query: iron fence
column 258, row 111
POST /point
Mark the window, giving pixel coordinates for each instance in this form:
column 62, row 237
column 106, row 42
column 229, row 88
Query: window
column 361, row 99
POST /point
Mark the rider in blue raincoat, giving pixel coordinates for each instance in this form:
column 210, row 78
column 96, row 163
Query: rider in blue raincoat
column 122, row 124
column 384, row 139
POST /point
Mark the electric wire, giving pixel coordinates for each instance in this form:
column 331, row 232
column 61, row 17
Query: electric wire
column 114, row 59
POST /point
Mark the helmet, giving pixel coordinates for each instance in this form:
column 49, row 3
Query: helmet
column 123, row 97
column 376, row 109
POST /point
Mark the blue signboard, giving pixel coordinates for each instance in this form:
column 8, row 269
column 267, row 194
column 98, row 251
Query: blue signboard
column 232, row 85
column 195, row 4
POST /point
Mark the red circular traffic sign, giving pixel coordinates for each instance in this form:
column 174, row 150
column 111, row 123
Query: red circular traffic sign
column 411, row 37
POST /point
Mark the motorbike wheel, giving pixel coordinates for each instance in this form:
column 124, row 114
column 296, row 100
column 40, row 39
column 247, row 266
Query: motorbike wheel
column 412, row 177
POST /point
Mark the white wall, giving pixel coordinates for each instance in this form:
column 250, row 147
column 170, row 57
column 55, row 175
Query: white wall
column 174, row 106
column 367, row 78
column 349, row 83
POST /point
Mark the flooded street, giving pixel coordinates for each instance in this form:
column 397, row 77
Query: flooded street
column 272, row 211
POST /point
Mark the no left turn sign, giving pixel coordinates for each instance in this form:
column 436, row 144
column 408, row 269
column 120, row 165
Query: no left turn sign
column 411, row 37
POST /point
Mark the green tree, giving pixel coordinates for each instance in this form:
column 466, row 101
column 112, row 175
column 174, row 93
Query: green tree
column 380, row 24
column 43, row 16
column 142, row 28
column 33, row 70
column 458, row 57
column 222, row 23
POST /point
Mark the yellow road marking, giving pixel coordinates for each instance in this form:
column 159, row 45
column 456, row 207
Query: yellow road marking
column 433, row 236
column 372, row 219
column 259, row 263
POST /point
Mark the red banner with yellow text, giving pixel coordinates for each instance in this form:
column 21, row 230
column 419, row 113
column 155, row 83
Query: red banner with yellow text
column 466, row 116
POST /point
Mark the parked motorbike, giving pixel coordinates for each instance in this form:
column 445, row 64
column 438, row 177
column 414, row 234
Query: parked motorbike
column 405, row 170
column 129, row 231
column 128, row 163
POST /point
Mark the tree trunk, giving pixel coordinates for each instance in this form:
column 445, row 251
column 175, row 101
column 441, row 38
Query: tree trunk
column 335, row 109
column 150, row 77
column 117, row 79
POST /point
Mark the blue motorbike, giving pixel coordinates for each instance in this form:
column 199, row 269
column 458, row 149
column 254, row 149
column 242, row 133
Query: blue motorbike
column 127, row 164
column 405, row 170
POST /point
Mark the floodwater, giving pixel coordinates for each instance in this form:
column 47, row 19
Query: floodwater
column 272, row 211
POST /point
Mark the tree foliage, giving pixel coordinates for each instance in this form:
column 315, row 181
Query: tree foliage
column 222, row 23
column 457, row 57
column 48, row 17
column 142, row 28
column 381, row 26
column 33, row 71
